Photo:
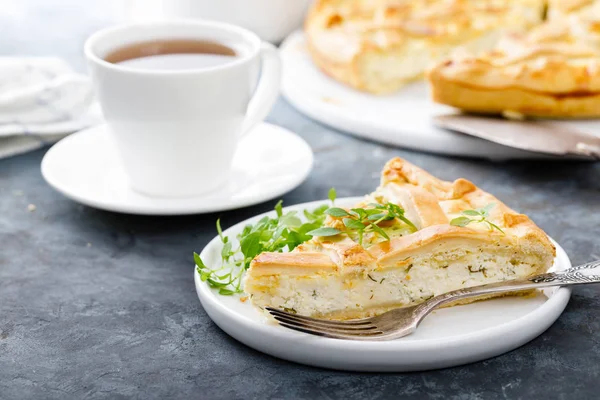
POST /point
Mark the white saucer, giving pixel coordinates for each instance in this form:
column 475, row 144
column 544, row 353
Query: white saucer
column 402, row 119
column 449, row 337
column 270, row 161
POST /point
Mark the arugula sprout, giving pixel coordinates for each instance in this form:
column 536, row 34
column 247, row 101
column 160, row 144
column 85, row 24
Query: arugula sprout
column 480, row 215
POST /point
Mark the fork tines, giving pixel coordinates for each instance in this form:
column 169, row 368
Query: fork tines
column 353, row 329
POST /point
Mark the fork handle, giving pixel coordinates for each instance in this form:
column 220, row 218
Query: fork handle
column 580, row 275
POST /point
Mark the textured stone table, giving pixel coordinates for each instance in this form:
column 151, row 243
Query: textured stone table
column 102, row 305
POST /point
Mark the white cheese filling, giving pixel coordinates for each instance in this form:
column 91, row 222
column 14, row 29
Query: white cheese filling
column 362, row 290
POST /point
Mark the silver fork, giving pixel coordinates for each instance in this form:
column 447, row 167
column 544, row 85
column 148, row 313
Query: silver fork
column 404, row 321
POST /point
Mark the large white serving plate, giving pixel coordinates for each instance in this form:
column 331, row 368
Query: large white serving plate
column 449, row 337
column 402, row 119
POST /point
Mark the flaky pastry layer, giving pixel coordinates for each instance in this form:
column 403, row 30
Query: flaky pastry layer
column 553, row 71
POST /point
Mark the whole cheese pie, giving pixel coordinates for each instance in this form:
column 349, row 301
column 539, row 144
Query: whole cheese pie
column 336, row 277
column 380, row 45
column 554, row 71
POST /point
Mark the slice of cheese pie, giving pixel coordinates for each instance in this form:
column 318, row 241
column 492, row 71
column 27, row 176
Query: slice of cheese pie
column 337, row 277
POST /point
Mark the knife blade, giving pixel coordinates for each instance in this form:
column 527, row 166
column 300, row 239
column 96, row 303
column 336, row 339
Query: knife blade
column 538, row 136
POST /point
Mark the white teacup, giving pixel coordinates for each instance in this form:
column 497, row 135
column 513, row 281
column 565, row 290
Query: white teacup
column 272, row 20
column 177, row 130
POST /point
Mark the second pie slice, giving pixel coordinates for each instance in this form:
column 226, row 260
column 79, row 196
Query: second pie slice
column 553, row 71
column 431, row 237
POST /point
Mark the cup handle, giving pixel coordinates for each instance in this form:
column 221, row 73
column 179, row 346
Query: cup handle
column 267, row 90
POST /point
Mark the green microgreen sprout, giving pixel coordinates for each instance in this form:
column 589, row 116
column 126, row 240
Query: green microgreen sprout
column 478, row 215
column 360, row 221
column 284, row 232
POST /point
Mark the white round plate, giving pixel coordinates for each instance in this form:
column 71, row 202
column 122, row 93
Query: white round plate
column 269, row 162
column 449, row 337
column 402, row 119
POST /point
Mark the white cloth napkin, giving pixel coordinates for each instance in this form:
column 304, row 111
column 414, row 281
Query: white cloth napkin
column 41, row 101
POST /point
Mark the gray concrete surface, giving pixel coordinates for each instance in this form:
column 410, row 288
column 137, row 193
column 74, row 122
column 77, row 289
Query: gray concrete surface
column 102, row 305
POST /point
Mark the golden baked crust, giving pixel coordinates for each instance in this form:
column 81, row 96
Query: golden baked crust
column 553, row 71
column 379, row 45
column 430, row 204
